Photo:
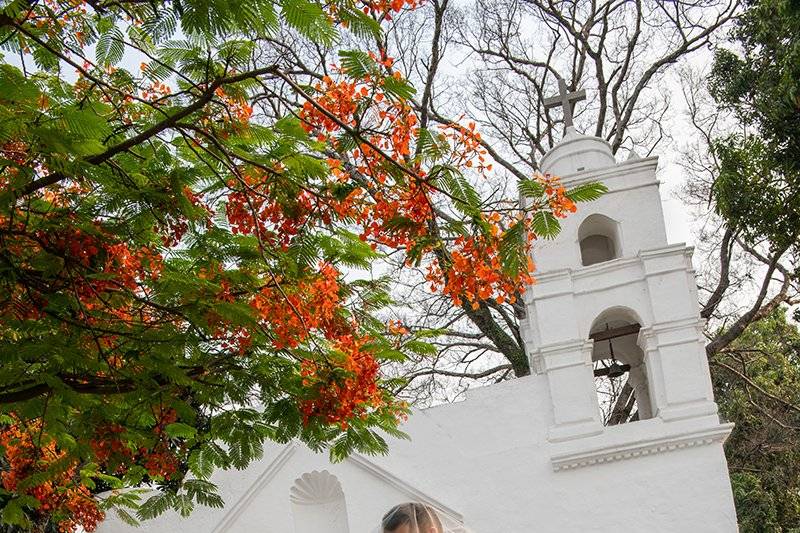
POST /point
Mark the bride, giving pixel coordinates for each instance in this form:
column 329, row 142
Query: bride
column 414, row 517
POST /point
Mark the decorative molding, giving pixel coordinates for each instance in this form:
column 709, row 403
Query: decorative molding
column 562, row 355
column 678, row 342
column 260, row 482
column 613, row 171
column 668, row 250
column 315, row 488
column 657, row 336
column 665, row 271
column 227, row 521
column 620, row 263
column 413, row 493
column 614, row 265
column 620, row 452
column 588, row 427
column 678, row 324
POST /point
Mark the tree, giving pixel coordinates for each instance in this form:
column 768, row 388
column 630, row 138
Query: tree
column 187, row 213
column 742, row 171
column 757, row 385
column 762, row 88
column 755, row 188
column 751, row 174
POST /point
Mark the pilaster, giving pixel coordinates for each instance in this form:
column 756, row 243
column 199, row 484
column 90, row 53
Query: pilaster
column 568, row 367
column 677, row 369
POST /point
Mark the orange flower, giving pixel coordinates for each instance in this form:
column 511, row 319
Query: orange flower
column 28, row 451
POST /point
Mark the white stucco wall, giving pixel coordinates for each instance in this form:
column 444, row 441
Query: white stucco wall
column 489, row 460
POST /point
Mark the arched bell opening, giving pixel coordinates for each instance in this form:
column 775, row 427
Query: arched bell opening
column 620, row 376
column 599, row 240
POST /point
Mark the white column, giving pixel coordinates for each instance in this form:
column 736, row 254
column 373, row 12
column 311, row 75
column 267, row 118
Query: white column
column 570, row 378
column 678, row 370
column 641, row 390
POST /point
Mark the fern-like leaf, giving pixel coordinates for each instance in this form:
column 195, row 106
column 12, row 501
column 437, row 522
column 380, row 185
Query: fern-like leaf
column 545, row 224
column 512, row 249
column 587, row 192
column 309, row 19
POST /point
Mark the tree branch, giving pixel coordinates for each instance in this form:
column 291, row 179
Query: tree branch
column 149, row 133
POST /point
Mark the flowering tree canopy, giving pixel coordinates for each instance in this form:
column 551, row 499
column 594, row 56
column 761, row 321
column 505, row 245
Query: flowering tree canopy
column 183, row 221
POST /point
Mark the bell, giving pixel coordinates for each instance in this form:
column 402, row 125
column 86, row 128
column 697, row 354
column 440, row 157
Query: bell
column 615, row 370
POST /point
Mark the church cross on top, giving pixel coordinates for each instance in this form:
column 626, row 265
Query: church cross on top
column 566, row 100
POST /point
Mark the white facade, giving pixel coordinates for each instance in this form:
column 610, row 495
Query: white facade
column 531, row 455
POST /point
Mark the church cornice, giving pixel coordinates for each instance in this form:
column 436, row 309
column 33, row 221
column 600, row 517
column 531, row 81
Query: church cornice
column 617, row 264
column 640, row 448
column 612, row 171
column 394, row 481
column 554, row 283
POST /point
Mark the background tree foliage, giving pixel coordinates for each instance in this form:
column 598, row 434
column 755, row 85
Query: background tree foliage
column 757, row 193
column 758, row 188
column 757, row 386
column 188, row 219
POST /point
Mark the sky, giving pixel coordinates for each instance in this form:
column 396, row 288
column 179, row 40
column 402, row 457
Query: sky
column 679, row 220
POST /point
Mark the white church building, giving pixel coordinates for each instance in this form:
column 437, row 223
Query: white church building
column 533, row 454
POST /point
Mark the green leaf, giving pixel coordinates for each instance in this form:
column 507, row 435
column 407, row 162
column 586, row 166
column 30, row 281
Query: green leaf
column 391, row 355
column 15, row 88
column 465, row 198
column 398, row 87
column 545, row 224
column 399, row 223
column 587, row 192
column 309, row 19
column 200, row 464
column 48, row 264
column 513, row 255
column 357, row 64
column 110, row 47
column 87, row 121
column 13, row 514
column 154, row 506
column 162, row 25
column 183, row 504
column 180, row 430
column 349, row 249
column 432, row 145
column 530, row 188
column 359, row 23
column 204, row 492
column 421, row 348
column 126, row 517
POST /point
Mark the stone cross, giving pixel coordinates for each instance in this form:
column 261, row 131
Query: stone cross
column 566, row 100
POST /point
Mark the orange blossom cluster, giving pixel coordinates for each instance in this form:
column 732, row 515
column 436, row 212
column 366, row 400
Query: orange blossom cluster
column 114, row 454
column 343, row 387
column 28, row 452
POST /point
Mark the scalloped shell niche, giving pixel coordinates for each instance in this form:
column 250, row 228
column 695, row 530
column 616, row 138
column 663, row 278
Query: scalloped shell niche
column 318, row 503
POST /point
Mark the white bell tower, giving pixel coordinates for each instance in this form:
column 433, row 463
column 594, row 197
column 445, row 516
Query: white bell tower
column 611, row 277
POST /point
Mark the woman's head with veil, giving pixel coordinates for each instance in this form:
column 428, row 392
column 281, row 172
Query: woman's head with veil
column 412, row 517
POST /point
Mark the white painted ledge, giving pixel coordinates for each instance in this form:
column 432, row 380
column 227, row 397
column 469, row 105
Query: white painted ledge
column 607, row 452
